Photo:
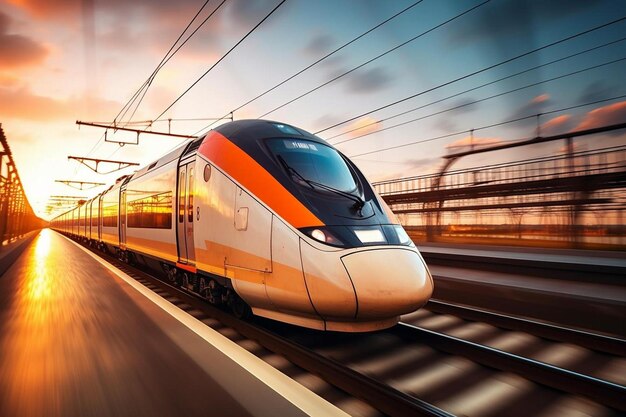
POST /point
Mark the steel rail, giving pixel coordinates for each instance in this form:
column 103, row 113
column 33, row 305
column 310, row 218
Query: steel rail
column 603, row 392
column 593, row 341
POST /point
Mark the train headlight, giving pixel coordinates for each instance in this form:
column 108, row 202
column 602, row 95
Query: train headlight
column 325, row 236
column 370, row 235
column 318, row 235
column 403, row 237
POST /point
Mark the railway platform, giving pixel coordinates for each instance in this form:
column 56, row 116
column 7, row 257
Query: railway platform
column 11, row 250
column 80, row 338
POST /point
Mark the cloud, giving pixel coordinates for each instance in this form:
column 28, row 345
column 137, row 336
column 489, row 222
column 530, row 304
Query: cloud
column 363, row 126
column 473, row 142
column 247, row 12
column 535, row 106
column 598, row 90
column 422, row 162
column 501, row 21
column 17, row 51
column 69, row 10
column 368, row 81
column 557, row 125
column 8, row 80
column 464, row 105
column 324, row 121
column 26, row 105
column 447, row 124
column 417, row 166
column 604, row 116
column 45, row 9
column 319, row 45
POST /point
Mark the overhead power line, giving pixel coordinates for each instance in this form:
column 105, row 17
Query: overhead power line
column 221, row 59
column 80, row 185
column 97, row 161
column 138, row 131
column 466, row 131
column 374, row 59
column 166, row 58
column 361, row 127
column 314, row 63
column 568, row 38
column 484, row 99
column 169, row 54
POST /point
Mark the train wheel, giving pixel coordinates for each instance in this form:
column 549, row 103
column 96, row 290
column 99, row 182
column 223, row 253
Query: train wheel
column 171, row 275
column 240, row 308
column 214, row 292
column 185, row 281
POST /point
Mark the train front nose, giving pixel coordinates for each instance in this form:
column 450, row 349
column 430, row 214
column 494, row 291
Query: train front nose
column 388, row 282
column 365, row 290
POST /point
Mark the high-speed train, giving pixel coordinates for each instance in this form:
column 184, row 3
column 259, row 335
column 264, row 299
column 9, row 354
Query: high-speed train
column 267, row 219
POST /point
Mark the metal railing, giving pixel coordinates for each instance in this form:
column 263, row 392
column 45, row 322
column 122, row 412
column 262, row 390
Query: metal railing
column 16, row 215
column 602, row 161
column 573, row 196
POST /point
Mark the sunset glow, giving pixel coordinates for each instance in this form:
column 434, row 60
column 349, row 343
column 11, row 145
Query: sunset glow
column 67, row 61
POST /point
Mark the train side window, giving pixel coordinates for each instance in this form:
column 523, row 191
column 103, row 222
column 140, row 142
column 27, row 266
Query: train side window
column 190, row 200
column 181, row 197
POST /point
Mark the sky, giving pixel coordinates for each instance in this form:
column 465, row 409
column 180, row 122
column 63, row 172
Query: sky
column 63, row 61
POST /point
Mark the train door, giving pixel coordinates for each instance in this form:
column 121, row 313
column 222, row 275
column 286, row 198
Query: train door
column 88, row 219
column 100, row 218
column 184, row 218
column 123, row 217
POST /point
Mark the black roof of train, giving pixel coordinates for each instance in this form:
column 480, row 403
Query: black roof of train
column 245, row 133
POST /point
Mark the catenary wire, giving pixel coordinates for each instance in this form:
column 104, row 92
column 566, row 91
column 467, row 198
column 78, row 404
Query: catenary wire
column 220, row 60
column 150, row 78
column 165, row 61
column 569, row 74
column 487, row 126
column 568, row 38
column 373, row 59
column 313, row 64
column 474, row 88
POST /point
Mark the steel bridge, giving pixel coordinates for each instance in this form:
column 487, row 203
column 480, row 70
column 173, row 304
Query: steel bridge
column 568, row 184
column 16, row 214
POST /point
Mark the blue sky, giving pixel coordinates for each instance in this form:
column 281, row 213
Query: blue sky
column 61, row 62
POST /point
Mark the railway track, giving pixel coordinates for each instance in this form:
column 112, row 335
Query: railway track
column 603, row 392
column 359, row 372
column 593, row 341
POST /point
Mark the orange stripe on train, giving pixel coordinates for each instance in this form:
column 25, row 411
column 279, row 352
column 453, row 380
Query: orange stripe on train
column 255, row 178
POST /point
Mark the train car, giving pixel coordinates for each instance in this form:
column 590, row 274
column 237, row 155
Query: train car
column 271, row 220
column 150, row 196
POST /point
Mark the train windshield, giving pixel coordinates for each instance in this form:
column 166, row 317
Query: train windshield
column 308, row 161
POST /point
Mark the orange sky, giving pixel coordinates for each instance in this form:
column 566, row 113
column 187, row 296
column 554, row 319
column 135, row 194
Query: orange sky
column 62, row 61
